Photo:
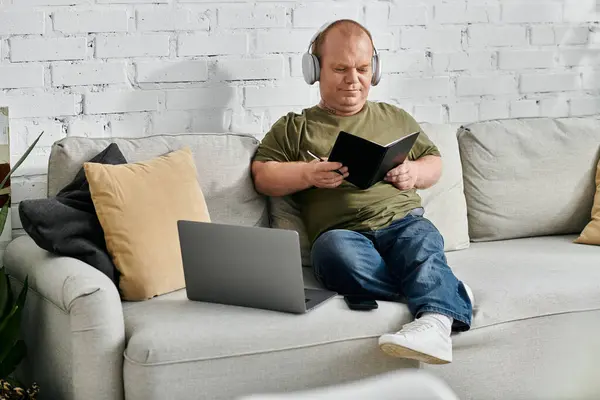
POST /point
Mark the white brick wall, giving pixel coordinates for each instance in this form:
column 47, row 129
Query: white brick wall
column 204, row 44
column 172, row 71
column 482, row 85
column 231, row 16
column 21, row 22
column 21, row 76
column 121, row 102
column 497, row 35
column 122, row 46
column 82, row 21
column 88, row 73
column 137, row 67
column 165, row 18
column 47, row 49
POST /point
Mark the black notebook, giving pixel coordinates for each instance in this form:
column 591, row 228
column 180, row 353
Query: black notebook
column 368, row 162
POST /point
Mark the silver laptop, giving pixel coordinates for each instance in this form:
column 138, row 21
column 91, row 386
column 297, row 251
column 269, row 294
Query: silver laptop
column 245, row 266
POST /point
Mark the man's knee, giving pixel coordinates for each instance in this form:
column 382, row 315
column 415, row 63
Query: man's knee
column 422, row 233
column 338, row 251
column 334, row 245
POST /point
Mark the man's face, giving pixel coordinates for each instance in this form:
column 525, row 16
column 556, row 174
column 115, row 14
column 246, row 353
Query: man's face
column 345, row 71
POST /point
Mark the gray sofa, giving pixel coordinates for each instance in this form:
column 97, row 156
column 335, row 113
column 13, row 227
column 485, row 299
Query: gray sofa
column 513, row 196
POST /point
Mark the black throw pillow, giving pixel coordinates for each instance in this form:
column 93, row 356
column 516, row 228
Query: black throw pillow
column 67, row 224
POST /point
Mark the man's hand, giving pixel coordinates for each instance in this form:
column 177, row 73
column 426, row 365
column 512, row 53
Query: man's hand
column 322, row 174
column 404, row 176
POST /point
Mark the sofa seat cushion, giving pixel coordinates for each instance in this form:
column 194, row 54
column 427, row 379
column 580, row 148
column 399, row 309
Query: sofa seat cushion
column 172, row 329
column 511, row 280
column 183, row 347
column 530, row 277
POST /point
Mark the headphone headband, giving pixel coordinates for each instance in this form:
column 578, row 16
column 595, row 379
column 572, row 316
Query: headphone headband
column 310, row 63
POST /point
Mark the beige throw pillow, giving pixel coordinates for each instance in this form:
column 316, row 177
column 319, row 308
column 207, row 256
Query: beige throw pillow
column 591, row 233
column 138, row 206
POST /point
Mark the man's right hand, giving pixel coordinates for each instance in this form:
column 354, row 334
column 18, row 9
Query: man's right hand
column 322, row 174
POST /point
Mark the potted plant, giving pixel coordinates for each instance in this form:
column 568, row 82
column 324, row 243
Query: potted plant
column 13, row 348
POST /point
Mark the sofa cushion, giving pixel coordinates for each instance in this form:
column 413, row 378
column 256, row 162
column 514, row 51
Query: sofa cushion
column 444, row 203
column 565, row 278
column 138, row 206
column 526, row 278
column 182, row 346
column 222, row 162
column 172, row 328
column 285, row 213
column 67, row 224
column 591, row 232
column 529, row 177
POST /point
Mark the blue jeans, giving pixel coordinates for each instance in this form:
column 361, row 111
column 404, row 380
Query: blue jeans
column 402, row 262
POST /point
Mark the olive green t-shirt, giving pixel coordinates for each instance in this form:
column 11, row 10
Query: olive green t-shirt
column 345, row 207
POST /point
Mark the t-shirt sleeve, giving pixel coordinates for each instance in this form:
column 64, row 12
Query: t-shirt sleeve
column 281, row 141
column 423, row 146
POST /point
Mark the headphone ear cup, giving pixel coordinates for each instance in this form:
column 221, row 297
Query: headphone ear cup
column 310, row 68
column 317, row 67
column 376, row 67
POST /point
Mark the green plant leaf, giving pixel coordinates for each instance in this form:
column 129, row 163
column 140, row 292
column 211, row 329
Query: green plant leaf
column 4, row 214
column 7, row 293
column 12, row 359
column 23, row 157
column 11, row 325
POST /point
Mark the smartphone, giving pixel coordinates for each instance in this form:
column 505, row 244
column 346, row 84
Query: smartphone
column 360, row 303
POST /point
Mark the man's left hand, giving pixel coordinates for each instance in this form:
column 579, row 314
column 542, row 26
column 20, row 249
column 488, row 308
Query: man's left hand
column 404, row 176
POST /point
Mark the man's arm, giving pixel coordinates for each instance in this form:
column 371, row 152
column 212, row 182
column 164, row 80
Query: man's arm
column 429, row 170
column 421, row 173
column 276, row 179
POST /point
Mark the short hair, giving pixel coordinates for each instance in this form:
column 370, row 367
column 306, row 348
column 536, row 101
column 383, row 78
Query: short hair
column 351, row 28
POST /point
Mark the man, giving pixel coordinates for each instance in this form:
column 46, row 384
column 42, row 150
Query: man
column 371, row 242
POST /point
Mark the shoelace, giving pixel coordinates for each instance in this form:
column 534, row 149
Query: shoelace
column 417, row 326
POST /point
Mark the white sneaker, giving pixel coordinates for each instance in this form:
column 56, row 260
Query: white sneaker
column 421, row 340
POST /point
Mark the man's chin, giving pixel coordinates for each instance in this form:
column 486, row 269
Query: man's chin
column 351, row 102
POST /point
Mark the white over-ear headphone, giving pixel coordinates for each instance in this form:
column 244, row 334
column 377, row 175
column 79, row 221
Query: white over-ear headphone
column 311, row 69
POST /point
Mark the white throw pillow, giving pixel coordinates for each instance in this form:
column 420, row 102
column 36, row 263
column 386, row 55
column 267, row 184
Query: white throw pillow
column 444, row 203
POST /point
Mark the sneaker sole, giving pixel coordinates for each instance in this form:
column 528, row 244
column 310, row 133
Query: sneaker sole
column 395, row 350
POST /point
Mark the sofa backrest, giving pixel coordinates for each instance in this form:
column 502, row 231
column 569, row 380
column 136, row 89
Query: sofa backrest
column 529, row 177
column 222, row 161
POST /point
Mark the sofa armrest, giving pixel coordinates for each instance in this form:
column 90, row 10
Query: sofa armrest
column 72, row 324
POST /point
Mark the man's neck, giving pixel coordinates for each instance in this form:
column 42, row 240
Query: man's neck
column 340, row 113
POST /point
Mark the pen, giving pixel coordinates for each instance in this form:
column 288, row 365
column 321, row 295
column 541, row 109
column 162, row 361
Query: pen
column 313, row 156
column 322, row 160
